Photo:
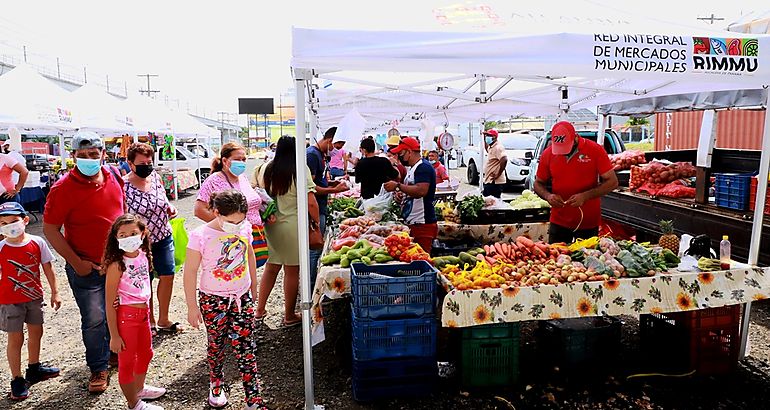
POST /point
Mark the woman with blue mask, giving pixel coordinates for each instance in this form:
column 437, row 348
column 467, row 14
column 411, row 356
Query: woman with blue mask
column 228, row 171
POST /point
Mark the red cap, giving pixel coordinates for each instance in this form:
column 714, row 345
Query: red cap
column 563, row 137
column 492, row 132
column 407, row 143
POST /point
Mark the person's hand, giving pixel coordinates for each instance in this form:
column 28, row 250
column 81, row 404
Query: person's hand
column 172, row 212
column 555, row 201
column 10, row 194
column 577, row 200
column 55, row 301
column 116, row 344
column 84, row 267
column 390, row 186
column 271, row 219
column 116, row 302
column 194, row 317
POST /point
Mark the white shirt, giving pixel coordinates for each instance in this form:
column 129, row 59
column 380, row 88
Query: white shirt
column 19, row 159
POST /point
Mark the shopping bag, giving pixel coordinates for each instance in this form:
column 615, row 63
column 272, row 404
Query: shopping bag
column 259, row 243
column 180, row 241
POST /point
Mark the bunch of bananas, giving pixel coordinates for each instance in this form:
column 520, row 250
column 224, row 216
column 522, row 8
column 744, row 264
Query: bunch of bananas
column 708, row 264
column 448, row 212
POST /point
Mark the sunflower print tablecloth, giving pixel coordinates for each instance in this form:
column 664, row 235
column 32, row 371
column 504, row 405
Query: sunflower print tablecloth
column 671, row 292
column 185, row 180
column 487, row 234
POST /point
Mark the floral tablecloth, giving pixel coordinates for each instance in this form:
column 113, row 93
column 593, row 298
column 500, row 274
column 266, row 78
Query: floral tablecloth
column 186, row 179
column 486, row 234
column 672, row 292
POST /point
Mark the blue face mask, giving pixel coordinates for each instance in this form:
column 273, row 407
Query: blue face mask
column 237, row 167
column 88, row 167
column 489, row 140
column 432, row 162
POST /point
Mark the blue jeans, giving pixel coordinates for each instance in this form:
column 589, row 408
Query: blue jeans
column 163, row 257
column 337, row 172
column 315, row 255
column 16, row 198
column 89, row 296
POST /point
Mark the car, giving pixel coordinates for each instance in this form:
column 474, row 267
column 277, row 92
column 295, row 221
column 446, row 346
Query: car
column 519, row 149
column 612, row 145
column 37, row 162
column 185, row 159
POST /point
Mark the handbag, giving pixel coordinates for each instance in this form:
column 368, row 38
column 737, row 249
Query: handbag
column 180, row 241
column 315, row 236
column 259, row 244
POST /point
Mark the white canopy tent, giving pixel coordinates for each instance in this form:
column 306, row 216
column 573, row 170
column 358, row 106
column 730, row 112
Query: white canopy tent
column 550, row 69
column 33, row 103
column 96, row 110
column 757, row 22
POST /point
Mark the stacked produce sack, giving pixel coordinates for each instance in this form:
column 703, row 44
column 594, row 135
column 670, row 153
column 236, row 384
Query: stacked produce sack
column 661, row 179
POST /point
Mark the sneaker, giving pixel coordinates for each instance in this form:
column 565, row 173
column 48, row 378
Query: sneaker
column 141, row 405
column 151, row 392
column 113, row 362
column 19, row 389
column 37, row 373
column 217, row 396
column 99, row 382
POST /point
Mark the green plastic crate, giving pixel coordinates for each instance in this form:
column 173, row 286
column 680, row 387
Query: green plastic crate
column 491, row 361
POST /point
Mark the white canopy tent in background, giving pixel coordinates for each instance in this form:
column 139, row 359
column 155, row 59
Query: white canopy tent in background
column 96, row 110
column 34, row 104
column 514, row 62
column 757, row 22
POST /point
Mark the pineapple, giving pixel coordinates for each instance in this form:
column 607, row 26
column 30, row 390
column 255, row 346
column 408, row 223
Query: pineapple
column 669, row 240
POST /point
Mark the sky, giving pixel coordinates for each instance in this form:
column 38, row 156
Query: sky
column 209, row 53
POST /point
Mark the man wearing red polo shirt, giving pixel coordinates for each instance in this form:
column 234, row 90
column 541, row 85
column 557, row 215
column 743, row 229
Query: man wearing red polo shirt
column 580, row 173
column 86, row 201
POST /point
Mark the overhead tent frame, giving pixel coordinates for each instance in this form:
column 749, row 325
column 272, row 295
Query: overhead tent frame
column 574, row 70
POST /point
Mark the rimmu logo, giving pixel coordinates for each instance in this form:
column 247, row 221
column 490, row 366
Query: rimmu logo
column 559, row 139
column 725, row 55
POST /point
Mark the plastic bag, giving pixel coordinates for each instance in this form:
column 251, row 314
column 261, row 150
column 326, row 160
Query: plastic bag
column 179, row 234
column 379, row 204
column 650, row 188
column 677, row 189
column 627, row 159
column 597, row 266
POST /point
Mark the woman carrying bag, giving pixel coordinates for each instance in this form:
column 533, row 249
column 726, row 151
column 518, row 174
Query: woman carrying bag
column 278, row 178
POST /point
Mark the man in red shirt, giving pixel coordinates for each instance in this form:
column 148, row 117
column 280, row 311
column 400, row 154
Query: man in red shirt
column 580, row 173
column 86, row 201
column 441, row 174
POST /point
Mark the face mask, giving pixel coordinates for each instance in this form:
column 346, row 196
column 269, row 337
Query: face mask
column 88, row 167
column 489, row 140
column 130, row 244
column 143, row 171
column 13, row 230
column 403, row 161
column 432, row 162
column 237, row 167
column 230, row 227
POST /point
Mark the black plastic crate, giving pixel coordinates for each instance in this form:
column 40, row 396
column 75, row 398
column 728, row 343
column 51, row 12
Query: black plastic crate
column 581, row 345
column 387, row 379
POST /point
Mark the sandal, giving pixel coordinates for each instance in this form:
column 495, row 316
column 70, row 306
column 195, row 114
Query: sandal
column 173, row 329
column 154, row 331
column 293, row 322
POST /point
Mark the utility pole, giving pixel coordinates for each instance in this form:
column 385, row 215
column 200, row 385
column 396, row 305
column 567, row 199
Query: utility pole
column 280, row 111
column 711, row 19
column 222, row 120
column 150, row 92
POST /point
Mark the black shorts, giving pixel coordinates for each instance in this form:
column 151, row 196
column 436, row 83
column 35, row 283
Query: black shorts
column 558, row 233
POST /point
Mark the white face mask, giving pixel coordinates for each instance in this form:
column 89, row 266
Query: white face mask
column 13, row 230
column 130, row 244
column 230, row 227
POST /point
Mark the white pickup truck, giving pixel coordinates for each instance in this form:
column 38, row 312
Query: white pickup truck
column 519, row 148
column 184, row 159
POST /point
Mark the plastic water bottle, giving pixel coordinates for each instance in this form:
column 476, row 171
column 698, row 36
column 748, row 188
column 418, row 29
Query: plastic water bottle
column 724, row 253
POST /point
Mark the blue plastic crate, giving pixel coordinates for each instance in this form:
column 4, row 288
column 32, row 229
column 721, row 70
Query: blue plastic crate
column 390, row 339
column 386, row 379
column 393, row 291
column 732, row 191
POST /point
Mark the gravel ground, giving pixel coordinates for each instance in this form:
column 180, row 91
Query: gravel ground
column 179, row 365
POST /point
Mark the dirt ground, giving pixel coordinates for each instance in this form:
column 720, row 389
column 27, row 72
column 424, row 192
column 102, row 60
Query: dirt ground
column 179, row 365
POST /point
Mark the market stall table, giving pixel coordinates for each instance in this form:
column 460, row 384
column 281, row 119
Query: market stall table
column 537, row 231
column 674, row 292
column 186, row 179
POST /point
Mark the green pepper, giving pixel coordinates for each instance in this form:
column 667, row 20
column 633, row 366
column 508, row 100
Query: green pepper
column 345, row 262
column 380, row 258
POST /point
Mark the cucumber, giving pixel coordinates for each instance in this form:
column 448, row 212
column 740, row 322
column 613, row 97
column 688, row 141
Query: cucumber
column 465, row 257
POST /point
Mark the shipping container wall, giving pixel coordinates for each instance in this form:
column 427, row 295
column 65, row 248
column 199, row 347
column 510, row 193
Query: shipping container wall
column 736, row 129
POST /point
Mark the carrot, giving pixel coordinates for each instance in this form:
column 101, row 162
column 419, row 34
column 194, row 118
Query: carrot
column 498, row 248
column 487, row 249
column 507, row 250
column 523, row 240
column 543, row 247
column 480, row 257
column 491, row 260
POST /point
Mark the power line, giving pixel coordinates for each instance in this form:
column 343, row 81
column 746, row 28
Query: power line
column 149, row 89
column 711, row 19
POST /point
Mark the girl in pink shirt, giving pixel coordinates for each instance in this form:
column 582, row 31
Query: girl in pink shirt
column 127, row 259
column 220, row 254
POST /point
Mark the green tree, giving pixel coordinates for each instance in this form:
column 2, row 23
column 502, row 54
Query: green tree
column 489, row 125
column 636, row 121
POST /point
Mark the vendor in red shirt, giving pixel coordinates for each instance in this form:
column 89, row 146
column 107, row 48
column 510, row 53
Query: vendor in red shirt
column 85, row 202
column 441, row 174
column 580, row 173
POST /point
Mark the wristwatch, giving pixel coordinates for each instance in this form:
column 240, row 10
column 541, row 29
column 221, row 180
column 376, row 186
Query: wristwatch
column 398, row 187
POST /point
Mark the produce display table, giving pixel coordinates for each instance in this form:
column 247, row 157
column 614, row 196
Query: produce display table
column 674, row 292
column 493, row 233
column 186, row 179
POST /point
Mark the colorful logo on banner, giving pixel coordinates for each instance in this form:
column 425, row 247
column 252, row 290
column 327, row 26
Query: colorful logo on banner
column 725, row 55
column 64, row 115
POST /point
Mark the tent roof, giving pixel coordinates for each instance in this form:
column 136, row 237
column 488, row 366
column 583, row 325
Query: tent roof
column 757, row 22
column 96, row 110
column 525, row 59
column 33, row 103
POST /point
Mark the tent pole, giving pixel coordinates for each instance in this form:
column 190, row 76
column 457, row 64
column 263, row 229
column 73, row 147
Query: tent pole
column 300, row 77
column 198, row 162
column 176, row 172
column 601, row 126
column 756, row 228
